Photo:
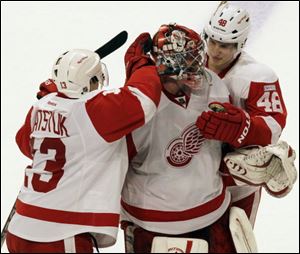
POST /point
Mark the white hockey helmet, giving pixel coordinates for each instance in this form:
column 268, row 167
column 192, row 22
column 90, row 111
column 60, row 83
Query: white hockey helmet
column 229, row 24
column 75, row 69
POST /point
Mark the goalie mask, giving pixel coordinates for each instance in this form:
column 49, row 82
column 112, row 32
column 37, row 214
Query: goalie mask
column 75, row 70
column 179, row 52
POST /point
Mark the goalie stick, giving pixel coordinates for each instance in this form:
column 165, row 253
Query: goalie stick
column 109, row 47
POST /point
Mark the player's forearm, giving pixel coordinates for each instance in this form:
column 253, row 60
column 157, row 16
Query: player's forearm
column 131, row 106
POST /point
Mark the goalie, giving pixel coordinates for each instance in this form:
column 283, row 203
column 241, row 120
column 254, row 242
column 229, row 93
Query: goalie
column 271, row 167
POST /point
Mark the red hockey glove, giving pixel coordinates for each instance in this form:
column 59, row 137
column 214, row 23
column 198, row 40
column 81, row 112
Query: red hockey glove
column 231, row 125
column 45, row 88
column 135, row 56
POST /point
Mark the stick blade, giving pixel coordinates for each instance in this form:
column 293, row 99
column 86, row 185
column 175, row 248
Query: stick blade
column 112, row 45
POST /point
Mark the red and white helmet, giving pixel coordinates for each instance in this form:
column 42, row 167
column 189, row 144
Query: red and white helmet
column 178, row 51
column 229, row 24
column 73, row 71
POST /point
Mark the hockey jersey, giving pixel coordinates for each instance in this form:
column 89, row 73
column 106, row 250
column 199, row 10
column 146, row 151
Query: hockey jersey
column 79, row 153
column 255, row 88
column 173, row 184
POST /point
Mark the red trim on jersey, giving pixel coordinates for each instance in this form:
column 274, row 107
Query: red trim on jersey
column 165, row 216
column 67, row 217
column 23, row 136
column 115, row 115
column 256, row 91
column 118, row 113
column 147, row 80
column 174, row 98
column 260, row 133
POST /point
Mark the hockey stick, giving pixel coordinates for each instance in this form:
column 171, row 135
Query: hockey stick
column 4, row 230
column 112, row 45
column 109, row 47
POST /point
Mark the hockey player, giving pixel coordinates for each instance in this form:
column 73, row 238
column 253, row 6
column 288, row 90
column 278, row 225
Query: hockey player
column 76, row 140
column 259, row 113
column 173, row 188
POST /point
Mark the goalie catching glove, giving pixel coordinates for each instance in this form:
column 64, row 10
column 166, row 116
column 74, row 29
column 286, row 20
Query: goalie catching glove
column 271, row 167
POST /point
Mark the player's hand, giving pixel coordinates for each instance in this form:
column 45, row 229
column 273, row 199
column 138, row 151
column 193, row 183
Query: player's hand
column 136, row 55
column 45, row 88
column 230, row 125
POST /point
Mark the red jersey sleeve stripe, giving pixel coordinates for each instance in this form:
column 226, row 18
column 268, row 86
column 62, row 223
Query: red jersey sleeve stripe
column 148, row 82
column 116, row 113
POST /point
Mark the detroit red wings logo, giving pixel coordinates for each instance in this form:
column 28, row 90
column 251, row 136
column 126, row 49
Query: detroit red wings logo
column 180, row 151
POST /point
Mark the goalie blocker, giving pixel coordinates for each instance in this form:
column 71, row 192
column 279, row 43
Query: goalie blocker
column 271, row 167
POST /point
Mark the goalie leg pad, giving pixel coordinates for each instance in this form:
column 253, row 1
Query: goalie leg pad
column 241, row 231
column 178, row 245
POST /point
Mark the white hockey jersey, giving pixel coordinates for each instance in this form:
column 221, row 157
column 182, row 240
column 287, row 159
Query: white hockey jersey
column 80, row 160
column 173, row 184
column 255, row 88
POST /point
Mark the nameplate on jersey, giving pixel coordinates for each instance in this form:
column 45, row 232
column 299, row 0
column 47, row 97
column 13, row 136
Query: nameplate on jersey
column 51, row 122
column 269, row 88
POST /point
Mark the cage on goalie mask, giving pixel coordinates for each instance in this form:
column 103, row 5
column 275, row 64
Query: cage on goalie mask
column 178, row 51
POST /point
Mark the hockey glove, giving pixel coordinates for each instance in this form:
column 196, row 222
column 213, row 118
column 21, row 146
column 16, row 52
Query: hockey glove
column 271, row 166
column 231, row 125
column 45, row 88
column 136, row 55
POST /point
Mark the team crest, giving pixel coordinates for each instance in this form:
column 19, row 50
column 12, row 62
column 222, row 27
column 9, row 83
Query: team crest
column 181, row 150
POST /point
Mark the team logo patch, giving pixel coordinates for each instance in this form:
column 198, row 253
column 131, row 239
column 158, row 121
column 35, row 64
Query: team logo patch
column 181, row 150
